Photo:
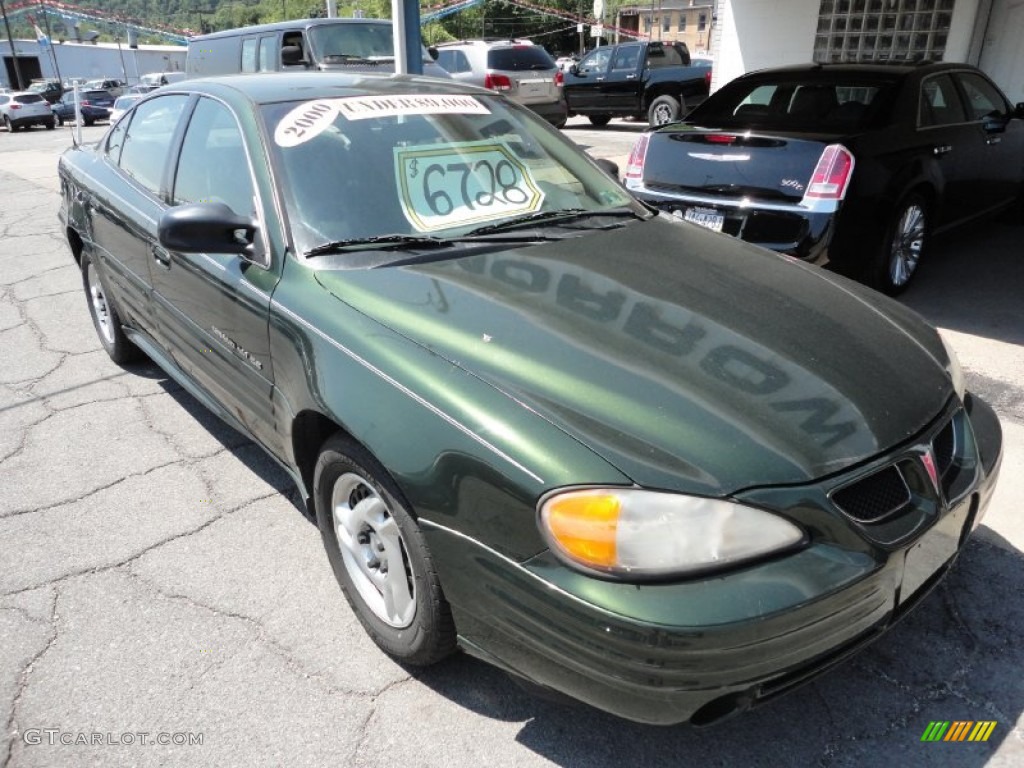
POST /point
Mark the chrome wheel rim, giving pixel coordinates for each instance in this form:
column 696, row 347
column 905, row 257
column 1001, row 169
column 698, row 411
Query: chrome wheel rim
column 373, row 550
column 100, row 309
column 907, row 244
column 662, row 114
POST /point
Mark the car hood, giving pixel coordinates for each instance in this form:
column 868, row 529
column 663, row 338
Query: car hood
column 688, row 360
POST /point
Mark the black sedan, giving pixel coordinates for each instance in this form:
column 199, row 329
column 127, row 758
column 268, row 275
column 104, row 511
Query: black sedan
column 857, row 165
column 532, row 419
column 94, row 106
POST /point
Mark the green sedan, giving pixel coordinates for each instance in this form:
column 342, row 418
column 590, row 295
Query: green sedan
column 618, row 455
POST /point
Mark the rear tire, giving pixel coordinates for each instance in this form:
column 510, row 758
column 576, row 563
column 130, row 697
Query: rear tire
column 905, row 243
column 8, row 125
column 379, row 555
column 663, row 110
column 599, row 121
column 104, row 316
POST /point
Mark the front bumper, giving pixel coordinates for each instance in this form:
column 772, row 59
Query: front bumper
column 797, row 230
column 702, row 649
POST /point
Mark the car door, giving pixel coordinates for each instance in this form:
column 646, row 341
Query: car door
column 945, row 137
column 126, row 204
column 622, row 83
column 997, row 149
column 213, row 308
column 584, row 85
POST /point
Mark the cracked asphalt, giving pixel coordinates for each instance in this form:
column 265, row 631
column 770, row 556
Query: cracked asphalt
column 156, row 575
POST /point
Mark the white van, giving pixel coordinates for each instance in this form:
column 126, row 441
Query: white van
column 315, row 44
column 157, row 79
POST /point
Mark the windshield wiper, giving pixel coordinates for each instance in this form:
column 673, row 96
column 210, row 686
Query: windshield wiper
column 539, row 217
column 382, row 242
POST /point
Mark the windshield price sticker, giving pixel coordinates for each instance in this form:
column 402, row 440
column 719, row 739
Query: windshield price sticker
column 456, row 185
column 363, row 107
column 305, row 122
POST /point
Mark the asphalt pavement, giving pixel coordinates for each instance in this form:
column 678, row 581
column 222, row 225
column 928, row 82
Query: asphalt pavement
column 158, row 583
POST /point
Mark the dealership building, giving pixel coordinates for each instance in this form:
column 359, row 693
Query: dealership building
column 87, row 60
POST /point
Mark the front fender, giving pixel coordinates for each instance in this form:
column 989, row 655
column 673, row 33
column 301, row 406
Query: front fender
column 449, row 440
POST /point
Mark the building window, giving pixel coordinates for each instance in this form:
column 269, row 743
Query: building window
column 666, row 23
column 702, row 22
column 682, row 22
column 882, row 30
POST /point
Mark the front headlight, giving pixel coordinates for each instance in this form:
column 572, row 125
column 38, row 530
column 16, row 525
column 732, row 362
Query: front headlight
column 956, row 373
column 650, row 534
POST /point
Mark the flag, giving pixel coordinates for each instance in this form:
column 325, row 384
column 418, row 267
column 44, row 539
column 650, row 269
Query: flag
column 41, row 37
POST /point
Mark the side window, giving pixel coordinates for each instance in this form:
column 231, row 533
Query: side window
column 453, row 61
column 148, row 139
column 939, row 103
column 626, row 58
column 294, row 40
column 116, row 139
column 659, row 55
column 212, row 165
column 594, row 63
column 249, row 54
column 983, row 99
column 268, row 53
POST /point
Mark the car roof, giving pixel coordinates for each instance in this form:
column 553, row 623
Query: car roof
column 893, row 69
column 285, row 25
column 306, row 86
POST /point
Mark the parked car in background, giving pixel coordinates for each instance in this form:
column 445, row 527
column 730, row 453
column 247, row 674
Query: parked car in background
column 857, row 165
column 156, row 79
column 318, row 44
column 140, row 88
column 94, row 106
column 123, row 104
column 51, row 90
column 112, row 86
column 22, row 109
column 651, row 81
column 524, row 72
column 624, row 458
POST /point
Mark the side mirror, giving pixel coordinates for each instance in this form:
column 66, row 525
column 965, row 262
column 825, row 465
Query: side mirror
column 291, row 55
column 1018, row 111
column 575, row 70
column 207, row 228
column 432, row 50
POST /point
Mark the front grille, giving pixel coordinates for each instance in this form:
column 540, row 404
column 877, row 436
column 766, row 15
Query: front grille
column 875, row 497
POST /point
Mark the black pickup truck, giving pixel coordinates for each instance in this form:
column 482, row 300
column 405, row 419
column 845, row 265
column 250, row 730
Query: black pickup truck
column 653, row 81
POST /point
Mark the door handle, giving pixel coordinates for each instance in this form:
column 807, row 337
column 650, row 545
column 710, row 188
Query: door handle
column 993, row 140
column 631, row 77
column 942, row 149
column 160, row 256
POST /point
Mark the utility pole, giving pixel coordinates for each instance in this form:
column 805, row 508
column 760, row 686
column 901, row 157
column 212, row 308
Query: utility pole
column 14, row 54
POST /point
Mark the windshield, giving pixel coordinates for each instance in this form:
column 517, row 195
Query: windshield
column 438, row 166
column 347, row 40
column 794, row 102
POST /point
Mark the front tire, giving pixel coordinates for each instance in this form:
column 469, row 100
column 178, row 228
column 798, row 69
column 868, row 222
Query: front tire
column 599, row 121
column 104, row 316
column 379, row 555
column 663, row 110
column 906, row 239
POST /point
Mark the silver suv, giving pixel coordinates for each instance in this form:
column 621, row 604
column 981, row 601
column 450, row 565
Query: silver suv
column 22, row 109
column 524, row 72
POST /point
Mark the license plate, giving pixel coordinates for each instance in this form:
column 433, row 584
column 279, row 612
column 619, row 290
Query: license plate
column 705, row 217
column 528, row 88
column 932, row 551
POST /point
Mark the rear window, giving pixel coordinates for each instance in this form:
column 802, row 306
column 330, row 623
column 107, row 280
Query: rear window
column 94, row 95
column 841, row 104
column 528, row 57
column 29, row 98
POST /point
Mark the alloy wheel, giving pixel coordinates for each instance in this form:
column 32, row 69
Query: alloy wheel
column 98, row 301
column 907, row 245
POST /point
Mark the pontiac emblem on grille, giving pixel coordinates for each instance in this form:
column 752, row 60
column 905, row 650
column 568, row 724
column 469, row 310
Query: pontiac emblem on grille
column 928, row 460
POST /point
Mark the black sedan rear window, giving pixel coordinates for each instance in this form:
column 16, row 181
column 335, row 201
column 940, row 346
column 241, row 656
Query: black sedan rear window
column 796, row 104
column 528, row 57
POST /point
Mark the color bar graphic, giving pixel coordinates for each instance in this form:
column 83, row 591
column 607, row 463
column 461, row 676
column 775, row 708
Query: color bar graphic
column 959, row 730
